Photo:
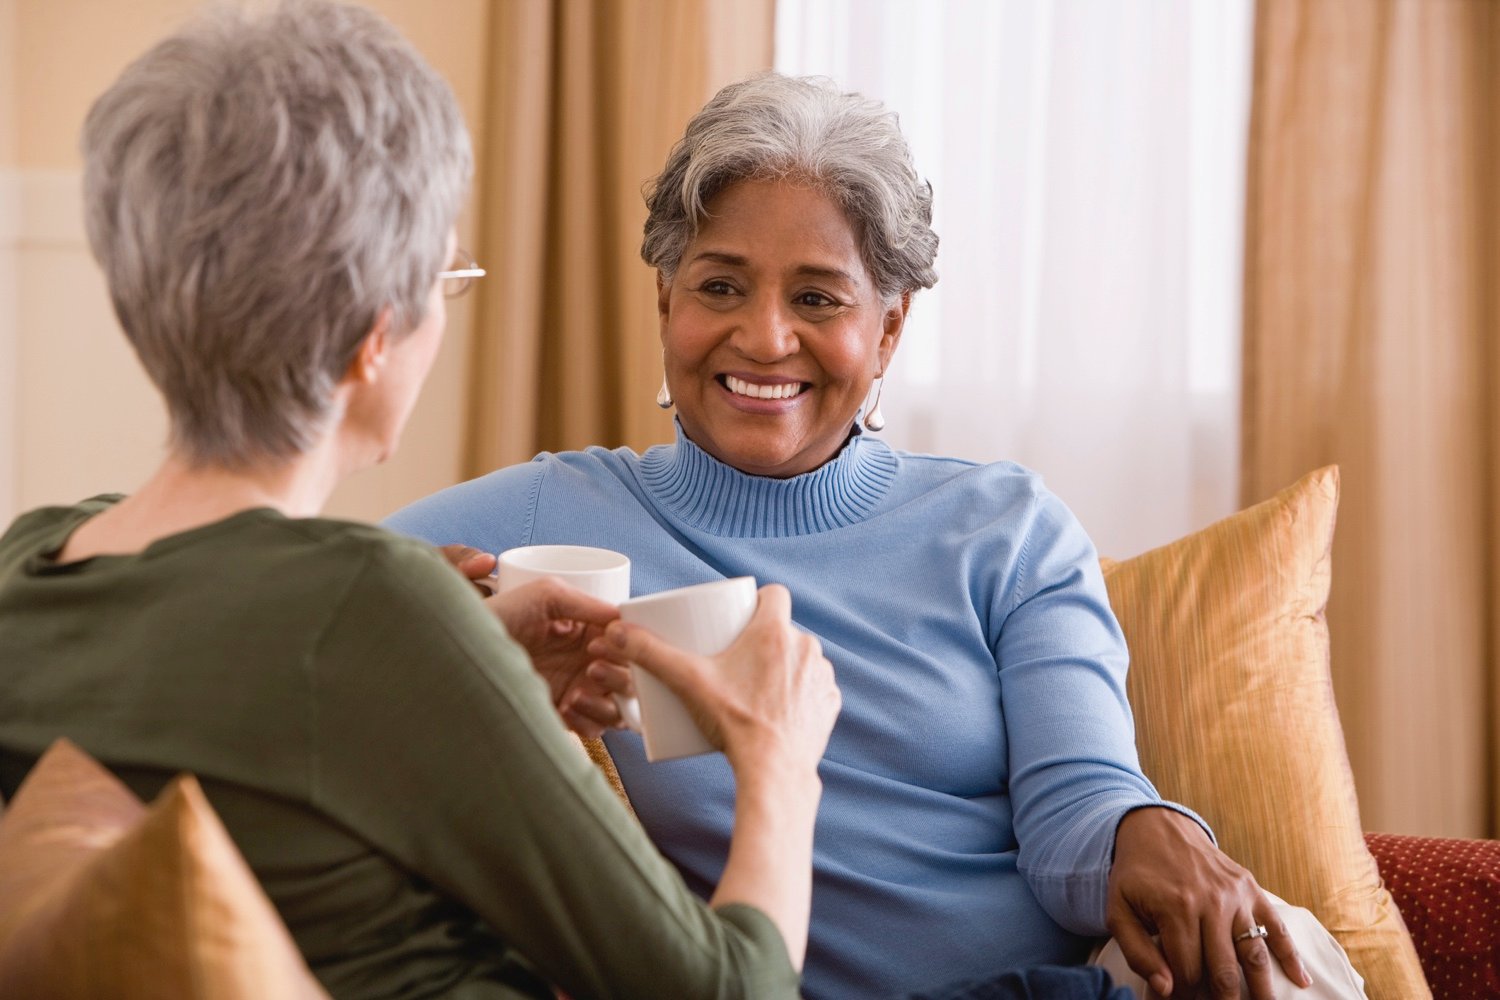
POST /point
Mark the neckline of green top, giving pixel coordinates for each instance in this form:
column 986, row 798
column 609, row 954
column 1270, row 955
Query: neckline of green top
column 43, row 562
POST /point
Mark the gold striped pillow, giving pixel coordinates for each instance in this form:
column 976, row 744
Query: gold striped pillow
column 1235, row 715
column 100, row 896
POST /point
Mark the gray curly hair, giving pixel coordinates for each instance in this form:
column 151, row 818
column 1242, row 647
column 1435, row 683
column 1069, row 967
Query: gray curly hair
column 774, row 126
column 257, row 190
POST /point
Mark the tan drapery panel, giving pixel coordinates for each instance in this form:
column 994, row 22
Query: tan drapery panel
column 585, row 99
column 1372, row 339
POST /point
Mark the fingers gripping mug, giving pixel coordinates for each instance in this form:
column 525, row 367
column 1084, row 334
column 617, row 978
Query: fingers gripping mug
column 704, row 618
column 600, row 573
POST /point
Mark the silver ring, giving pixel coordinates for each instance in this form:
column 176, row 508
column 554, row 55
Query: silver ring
column 1258, row 931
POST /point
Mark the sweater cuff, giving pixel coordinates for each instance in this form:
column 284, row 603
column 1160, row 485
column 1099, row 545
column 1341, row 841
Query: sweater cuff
column 1078, row 900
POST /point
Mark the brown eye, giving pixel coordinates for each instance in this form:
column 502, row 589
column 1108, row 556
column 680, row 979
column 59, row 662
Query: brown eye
column 815, row 300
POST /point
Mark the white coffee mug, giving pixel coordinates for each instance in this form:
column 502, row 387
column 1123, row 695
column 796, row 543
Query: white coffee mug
column 600, row 573
column 704, row 618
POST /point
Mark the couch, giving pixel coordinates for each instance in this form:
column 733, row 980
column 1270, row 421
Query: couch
column 1231, row 690
column 1448, row 891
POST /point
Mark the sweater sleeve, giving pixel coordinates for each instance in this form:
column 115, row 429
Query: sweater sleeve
column 437, row 742
column 494, row 512
column 1074, row 770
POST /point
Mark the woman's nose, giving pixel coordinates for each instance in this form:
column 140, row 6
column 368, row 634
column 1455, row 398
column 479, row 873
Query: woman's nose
column 769, row 331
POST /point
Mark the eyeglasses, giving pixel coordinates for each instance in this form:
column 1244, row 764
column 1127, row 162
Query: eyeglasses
column 460, row 276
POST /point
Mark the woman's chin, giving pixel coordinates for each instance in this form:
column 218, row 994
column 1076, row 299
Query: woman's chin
column 776, row 459
column 763, row 446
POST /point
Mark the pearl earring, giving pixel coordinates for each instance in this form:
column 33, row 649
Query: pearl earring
column 664, row 394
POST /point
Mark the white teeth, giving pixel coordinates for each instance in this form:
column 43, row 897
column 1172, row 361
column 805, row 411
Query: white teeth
column 742, row 388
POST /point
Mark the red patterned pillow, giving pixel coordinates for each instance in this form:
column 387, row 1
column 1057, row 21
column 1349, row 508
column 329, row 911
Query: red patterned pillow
column 1449, row 893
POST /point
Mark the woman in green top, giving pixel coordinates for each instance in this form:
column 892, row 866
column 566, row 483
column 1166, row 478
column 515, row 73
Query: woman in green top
column 272, row 202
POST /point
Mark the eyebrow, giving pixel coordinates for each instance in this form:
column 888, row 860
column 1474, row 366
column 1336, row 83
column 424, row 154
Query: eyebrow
column 812, row 270
column 720, row 257
column 809, row 270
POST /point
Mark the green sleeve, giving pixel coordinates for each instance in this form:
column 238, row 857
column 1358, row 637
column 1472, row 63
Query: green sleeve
column 436, row 741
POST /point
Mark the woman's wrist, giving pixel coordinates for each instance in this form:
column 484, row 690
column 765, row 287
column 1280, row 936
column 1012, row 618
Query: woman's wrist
column 770, row 855
column 1157, row 822
column 771, row 767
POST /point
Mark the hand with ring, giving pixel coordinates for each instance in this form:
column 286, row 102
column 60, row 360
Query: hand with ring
column 1213, row 927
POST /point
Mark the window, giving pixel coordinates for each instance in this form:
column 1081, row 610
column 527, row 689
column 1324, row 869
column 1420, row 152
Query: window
column 1087, row 161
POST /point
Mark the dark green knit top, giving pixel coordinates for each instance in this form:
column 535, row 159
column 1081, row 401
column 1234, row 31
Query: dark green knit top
column 380, row 750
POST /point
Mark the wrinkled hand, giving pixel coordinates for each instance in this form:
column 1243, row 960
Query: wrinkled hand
column 473, row 564
column 555, row 624
column 770, row 696
column 1169, row 879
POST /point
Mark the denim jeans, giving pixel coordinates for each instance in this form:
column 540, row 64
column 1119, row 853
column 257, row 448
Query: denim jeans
column 1042, row 982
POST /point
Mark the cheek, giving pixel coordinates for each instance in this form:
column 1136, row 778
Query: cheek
column 854, row 357
column 686, row 339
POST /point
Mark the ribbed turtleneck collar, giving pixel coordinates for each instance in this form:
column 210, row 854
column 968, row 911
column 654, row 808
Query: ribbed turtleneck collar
column 718, row 498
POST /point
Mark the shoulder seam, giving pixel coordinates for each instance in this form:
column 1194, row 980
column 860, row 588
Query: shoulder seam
column 925, row 458
column 1022, row 558
column 533, row 501
column 310, row 667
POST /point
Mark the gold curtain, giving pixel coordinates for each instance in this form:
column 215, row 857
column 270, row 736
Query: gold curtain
column 585, row 99
column 1372, row 339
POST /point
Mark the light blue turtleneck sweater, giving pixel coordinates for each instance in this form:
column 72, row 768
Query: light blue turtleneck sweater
column 985, row 752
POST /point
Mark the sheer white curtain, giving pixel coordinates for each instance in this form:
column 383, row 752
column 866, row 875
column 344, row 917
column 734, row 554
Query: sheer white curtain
column 1087, row 162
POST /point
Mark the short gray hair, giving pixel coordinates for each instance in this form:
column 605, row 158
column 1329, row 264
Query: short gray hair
column 805, row 128
column 257, row 190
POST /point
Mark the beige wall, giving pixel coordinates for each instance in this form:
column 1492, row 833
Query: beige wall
column 82, row 418
column 8, row 107
column 9, row 232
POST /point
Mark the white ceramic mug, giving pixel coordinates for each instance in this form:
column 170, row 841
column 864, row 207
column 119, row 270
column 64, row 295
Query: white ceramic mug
column 600, row 573
column 704, row 618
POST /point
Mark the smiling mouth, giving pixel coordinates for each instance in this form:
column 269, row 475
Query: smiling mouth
column 784, row 390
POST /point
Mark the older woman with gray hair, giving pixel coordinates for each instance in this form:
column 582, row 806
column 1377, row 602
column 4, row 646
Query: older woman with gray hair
column 272, row 200
column 983, row 803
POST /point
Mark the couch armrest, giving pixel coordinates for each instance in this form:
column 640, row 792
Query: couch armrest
column 1449, row 893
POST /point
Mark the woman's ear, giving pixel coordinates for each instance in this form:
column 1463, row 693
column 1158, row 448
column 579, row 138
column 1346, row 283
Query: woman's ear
column 892, row 323
column 663, row 300
column 374, row 349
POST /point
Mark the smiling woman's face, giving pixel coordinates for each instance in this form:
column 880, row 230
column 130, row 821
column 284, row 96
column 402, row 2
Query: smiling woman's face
column 773, row 330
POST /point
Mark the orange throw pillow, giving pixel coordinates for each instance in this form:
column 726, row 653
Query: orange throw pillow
column 101, row 897
column 1235, row 717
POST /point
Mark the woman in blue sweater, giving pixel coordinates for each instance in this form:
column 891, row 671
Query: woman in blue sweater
column 983, row 804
